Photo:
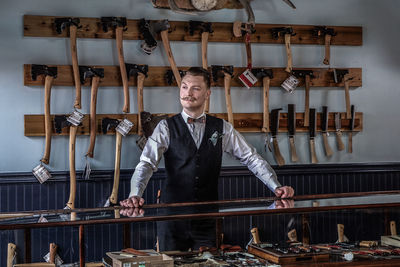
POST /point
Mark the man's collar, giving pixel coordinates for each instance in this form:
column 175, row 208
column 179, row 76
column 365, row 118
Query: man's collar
column 185, row 116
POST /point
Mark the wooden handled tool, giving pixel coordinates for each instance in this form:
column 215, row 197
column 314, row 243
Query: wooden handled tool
column 288, row 53
column 50, row 74
column 11, row 254
column 324, row 129
column 227, row 71
column 266, row 75
column 274, row 132
column 292, row 131
column 393, row 230
column 53, row 252
column 327, row 58
column 277, row 153
column 342, row 75
column 292, row 235
column 117, row 166
column 307, row 75
column 327, row 33
column 312, row 130
column 256, row 237
column 351, row 128
column 338, row 132
column 340, row 231
column 72, row 173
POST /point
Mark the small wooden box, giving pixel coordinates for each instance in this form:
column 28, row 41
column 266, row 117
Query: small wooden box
column 155, row 259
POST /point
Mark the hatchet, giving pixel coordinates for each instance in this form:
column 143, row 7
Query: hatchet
column 312, row 129
column 149, row 42
column 274, row 132
column 141, row 72
column 287, row 33
column 11, row 253
column 121, row 129
column 307, row 75
column 162, row 27
column 50, row 74
column 119, row 25
column 338, row 131
column 266, row 75
column 227, row 72
column 327, row 33
column 292, row 131
column 342, row 75
column 96, row 74
column 351, row 128
column 324, row 130
column 72, row 24
column 205, row 29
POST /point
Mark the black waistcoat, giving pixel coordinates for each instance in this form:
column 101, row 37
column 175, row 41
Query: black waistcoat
column 192, row 174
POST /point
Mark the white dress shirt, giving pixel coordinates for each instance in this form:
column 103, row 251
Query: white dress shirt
column 233, row 143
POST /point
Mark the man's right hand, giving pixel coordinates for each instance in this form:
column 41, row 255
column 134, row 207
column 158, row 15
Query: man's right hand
column 132, row 202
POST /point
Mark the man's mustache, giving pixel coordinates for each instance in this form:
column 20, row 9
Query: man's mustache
column 188, row 98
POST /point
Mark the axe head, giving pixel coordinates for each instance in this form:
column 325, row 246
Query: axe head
column 199, row 25
column 108, row 123
column 88, row 72
column 43, row 70
column 218, row 70
column 323, row 30
column 170, row 77
column 113, row 22
column 338, row 74
column 281, row 31
column 149, row 43
column 161, row 25
column 60, row 122
column 134, row 69
column 62, row 23
column 261, row 73
column 303, row 73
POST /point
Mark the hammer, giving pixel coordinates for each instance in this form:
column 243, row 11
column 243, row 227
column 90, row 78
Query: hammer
column 94, row 73
column 72, row 24
column 307, row 75
column 342, row 75
column 266, row 75
column 141, row 72
column 227, row 72
column 50, row 74
column 205, row 29
column 162, row 27
column 287, row 32
column 119, row 25
column 327, row 33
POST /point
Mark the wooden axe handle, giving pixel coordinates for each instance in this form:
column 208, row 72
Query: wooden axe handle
column 256, row 237
column 266, row 83
column 328, row 149
column 347, row 96
column 53, row 252
column 393, row 230
column 340, row 144
column 72, row 173
column 204, row 42
column 277, row 153
column 140, row 82
column 350, row 148
column 47, row 119
column 167, row 47
column 340, row 230
column 93, row 103
column 307, row 102
column 114, row 192
column 124, row 76
column 228, row 100
column 293, row 153
column 75, row 67
column 327, row 49
column 312, row 151
column 288, row 53
column 10, row 254
column 248, row 51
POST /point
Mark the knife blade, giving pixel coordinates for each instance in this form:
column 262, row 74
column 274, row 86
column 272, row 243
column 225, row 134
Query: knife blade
column 274, row 132
column 312, row 129
column 289, row 3
column 351, row 127
column 338, row 131
column 324, row 129
column 292, row 131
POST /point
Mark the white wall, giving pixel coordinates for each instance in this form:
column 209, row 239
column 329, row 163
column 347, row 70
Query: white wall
column 377, row 98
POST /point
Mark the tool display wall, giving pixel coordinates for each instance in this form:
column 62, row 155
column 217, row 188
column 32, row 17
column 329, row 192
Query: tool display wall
column 309, row 78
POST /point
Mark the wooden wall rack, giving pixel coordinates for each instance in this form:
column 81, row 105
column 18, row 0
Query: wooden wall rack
column 112, row 77
column 43, row 26
column 244, row 122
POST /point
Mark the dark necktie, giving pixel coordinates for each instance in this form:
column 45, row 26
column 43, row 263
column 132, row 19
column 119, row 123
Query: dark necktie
column 202, row 119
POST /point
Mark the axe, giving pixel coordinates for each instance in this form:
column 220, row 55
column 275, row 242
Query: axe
column 119, row 25
column 287, row 32
column 94, row 73
column 73, row 121
column 327, row 33
column 324, row 130
column 50, row 74
column 227, row 72
column 141, row 72
column 266, row 75
column 149, row 123
column 170, row 78
column 342, row 75
column 162, row 27
column 72, row 24
column 122, row 128
column 11, row 253
column 205, row 29
column 52, row 256
column 149, row 42
column 307, row 75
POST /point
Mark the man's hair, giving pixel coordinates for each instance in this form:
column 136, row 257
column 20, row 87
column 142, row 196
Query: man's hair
column 198, row 71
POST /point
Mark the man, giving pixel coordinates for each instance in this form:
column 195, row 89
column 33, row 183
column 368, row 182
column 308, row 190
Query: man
column 192, row 144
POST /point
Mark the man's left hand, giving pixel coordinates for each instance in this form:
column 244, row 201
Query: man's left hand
column 284, row 192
